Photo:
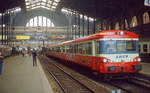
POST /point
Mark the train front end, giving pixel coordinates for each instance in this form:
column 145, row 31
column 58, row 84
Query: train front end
column 118, row 54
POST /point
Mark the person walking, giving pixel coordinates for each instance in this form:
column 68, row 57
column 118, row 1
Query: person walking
column 34, row 55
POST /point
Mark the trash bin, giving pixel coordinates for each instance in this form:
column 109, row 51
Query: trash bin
column 1, row 67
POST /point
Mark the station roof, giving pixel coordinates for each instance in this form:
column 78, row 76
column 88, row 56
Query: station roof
column 95, row 8
column 47, row 4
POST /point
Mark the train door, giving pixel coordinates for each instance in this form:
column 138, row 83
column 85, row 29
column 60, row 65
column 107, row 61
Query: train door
column 95, row 63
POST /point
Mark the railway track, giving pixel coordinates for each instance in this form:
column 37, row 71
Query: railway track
column 67, row 82
column 141, row 80
column 131, row 85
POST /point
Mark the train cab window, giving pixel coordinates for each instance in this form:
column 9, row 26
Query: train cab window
column 108, row 46
column 117, row 46
column 131, row 45
column 145, row 48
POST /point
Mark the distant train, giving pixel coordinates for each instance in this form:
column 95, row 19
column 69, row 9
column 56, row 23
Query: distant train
column 107, row 52
column 145, row 50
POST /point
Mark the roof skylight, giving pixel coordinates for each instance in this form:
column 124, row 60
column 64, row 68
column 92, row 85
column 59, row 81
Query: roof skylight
column 47, row 4
column 69, row 11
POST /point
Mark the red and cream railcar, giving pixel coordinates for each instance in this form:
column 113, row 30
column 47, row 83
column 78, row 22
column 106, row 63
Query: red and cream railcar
column 112, row 51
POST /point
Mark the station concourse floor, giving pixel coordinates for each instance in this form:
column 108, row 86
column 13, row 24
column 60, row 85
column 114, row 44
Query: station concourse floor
column 19, row 76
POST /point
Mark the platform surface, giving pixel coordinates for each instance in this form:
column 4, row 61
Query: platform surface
column 145, row 68
column 19, row 76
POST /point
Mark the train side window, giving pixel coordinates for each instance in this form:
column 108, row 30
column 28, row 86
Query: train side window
column 75, row 48
column 145, row 48
column 72, row 49
column 58, row 50
column 62, row 49
column 67, row 49
column 54, row 49
column 88, row 48
column 83, row 49
column 97, row 47
column 80, row 48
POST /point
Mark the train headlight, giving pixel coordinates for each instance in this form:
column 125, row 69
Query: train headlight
column 105, row 60
column 139, row 59
column 121, row 33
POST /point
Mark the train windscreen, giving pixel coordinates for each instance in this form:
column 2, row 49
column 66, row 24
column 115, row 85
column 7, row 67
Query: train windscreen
column 118, row 46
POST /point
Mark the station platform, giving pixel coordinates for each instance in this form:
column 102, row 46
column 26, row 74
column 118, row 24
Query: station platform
column 145, row 68
column 19, row 76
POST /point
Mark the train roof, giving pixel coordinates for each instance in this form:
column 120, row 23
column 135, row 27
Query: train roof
column 102, row 35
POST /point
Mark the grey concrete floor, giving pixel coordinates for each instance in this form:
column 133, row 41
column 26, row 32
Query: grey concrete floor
column 145, row 68
column 19, row 76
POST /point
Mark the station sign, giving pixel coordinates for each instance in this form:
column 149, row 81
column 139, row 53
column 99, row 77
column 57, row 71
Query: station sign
column 22, row 37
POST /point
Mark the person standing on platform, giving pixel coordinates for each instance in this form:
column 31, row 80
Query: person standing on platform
column 23, row 52
column 1, row 63
column 34, row 55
